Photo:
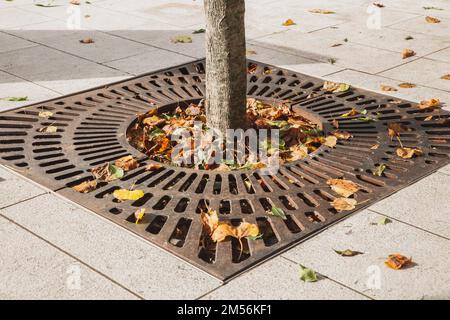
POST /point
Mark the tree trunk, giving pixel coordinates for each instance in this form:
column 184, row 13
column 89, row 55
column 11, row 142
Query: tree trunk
column 226, row 66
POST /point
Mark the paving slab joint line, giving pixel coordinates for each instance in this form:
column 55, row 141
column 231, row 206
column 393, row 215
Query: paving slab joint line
column 408, row 224
column 25, row 200
column 73, row 257
column 323, row 276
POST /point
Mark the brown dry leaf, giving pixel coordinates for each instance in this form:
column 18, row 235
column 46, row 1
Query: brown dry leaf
column 394, row 129
column 335, row 123
column 330, row 141
column 153, row 121
column 107, row 172
column 298, row 152
column 408, row 53
column 139, row 215
column 384, row 87
column 86, row 186
column 432, row 103
column 321, row 11
column 446, row 77
column 127, row 163
column 428, row 118
column 351, row 113
column 49, row 129
column 87, row 40
column 344, row 204
column 375, row 146
column 343, row 135
column 45, row 114
column 407, row 85
column 378, row 4
column 342, row 187
column 75, row 2
column 288, row 22
column 430, row 19
column 348, row 253
column 329, row 86
column 397, row 261
column 408, row 153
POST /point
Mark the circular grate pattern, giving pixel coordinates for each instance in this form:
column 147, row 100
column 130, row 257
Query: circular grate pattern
column 92, row 129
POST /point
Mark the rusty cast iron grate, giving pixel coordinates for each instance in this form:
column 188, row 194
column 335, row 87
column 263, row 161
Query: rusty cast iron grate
column 92, row 128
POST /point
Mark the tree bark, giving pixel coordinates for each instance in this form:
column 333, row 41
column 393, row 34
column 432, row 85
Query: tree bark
column 226, row 66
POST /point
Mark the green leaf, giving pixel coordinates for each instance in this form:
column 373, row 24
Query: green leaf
column 15, row 99
column 201, row 30
column 378, row 171
column 156, row 132
column 366, row 119
column 116, row 172
column 252, row 238
column 363, row 112
column 307, row 275
column 277, row 212
column 384, row 221
column 433, row 8
column 182, row 39
column 348, row 253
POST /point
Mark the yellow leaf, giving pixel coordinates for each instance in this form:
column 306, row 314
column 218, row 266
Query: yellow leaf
column 288, row 22
column 344, row 188
column 139, row 215
column 344, row 204
column 49, row 129
column 375, row 146
column 432, row 103
column 222, row 231
column 124, row 194
column 45, row 114
column 86, row 186
column 321, row 11
column 330, row 141
column 408, row 153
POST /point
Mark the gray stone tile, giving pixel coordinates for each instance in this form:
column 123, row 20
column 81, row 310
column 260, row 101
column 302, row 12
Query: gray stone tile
column 11, row 43
column 32, row 269
column 445, row 170
column 442, row 55
column 428, row 279
column 367, row 59
column 419, row 24
column 16, row 17
column 129, row 260
column 423, row 71
column 14, row 189
column 278, row 279
column 373, row 83
column 425, row 204
column 11, row 86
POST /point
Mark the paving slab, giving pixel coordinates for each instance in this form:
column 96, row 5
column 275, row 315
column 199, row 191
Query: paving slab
column 152, row 60
column 445, row 170
column 12, row 86
column 367, row 59
column 384, row 38
column 129, row 260
column 30, row 268
column 441, row 55
column 425, row 204
column 14, row 189
column 57, row 70
column 423, row 71
column 418, row 24
column 373, row 83
column 16, row 17
column 427, row 279
column 11, row 43
column 278, row 279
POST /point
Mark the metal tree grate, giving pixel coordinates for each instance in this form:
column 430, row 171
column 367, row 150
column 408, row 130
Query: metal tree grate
column 92, row 128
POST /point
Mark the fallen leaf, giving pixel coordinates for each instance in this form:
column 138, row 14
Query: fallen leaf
column 432, row 8
column 446, row 77
column 394, row 129
column 124, row 194
column 127, row 163
column 152, row 166
column 432, row 19
column 75, row 2
column 344, row 204
column 378, row 171
column 86, row 186
column 251, row 52
column 348, row 253
column 397, row 261
column 330, row 141
column 307, row 274
column 378, row 4
column 343, row 135
column 383, row 221
column 15, row 99
column 408, row 153
column 428, row 118
column 387, row 88
column 45, row 114
column 408, row 53
column 107, row 172
column 408, row 38
column 139, row 215
column 182, row 39
column 87, row 40
column 432, row 103
column 375, row 146
column 407, row 85
column 277, row 212
column 342, row 187
column 351, row 113
column 49, row 129
column 201, row 30
column 336, row 45
column 321, row 11
column 288, row 22
column 335, row 87
column 335, row 123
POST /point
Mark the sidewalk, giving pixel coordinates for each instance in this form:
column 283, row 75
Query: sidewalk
column 55, row 249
